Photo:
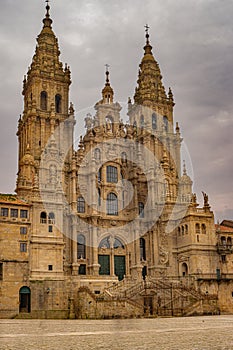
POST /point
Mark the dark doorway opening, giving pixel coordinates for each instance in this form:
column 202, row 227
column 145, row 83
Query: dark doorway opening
column 148, row 305
column 24, row 299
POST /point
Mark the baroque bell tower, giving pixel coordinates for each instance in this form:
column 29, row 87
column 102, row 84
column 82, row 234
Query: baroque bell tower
column 46, row 107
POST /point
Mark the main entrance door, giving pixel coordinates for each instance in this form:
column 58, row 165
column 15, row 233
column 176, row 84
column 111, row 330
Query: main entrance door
column 24, row 299
column 119, row 266
column 104, row 261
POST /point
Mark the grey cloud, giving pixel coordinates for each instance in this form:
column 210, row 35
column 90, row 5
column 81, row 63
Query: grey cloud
column 192, row 41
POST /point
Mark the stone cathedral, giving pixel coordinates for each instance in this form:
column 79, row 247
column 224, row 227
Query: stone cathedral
column 112, row 228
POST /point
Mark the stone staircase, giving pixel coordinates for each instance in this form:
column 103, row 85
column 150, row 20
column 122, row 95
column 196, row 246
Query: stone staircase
column 171, row 297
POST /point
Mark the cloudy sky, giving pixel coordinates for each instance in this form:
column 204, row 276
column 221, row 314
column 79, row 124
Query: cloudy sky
column 192, row 41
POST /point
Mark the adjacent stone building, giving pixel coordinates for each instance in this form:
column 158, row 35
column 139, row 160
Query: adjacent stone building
column 113, row 228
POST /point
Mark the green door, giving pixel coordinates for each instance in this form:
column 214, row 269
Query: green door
column 119, row 266
column 104, row 261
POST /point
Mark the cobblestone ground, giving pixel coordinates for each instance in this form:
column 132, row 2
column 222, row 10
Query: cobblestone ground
column 196, row 333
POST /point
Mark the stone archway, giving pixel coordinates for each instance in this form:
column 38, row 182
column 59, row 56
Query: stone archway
column 25, row 299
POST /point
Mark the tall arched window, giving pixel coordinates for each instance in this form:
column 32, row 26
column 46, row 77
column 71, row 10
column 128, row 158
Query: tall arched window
column 58, row 103
column 154, row 121
column 112, row 204
column 165, row 123
column 43, row 217
column 141, row 209
column 43, row 100
column 142, row 249
column 81, row 248
column 51, row 218
column 203, row 228
column 142, row 122
column 112, row 174
column 81, row 205
column 197, row 228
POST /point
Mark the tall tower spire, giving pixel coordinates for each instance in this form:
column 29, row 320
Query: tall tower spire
column 150, row 89
column 46, row 96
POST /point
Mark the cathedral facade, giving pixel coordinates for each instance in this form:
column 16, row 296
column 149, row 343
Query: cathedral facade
column 113, row 228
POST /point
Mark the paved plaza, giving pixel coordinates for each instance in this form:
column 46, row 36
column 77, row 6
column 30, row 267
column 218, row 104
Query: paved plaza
column 196, row 333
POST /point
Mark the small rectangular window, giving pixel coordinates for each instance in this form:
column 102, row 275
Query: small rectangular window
column 82, row 269
column 23, row 230
column 223, row 258
column 23, row 247
column 50, row 267
column 23, row 214
column 14, row 213
column 81, row 205
column 1, row 271
column 50, row 228
column 4, row 211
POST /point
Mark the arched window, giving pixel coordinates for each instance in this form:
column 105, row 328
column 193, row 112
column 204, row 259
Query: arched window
column 118, row 244
column 154, row 121
column 112, row 174
column 51, row 218
column 43, row 100
column 165, row 123
column 229, row 241
column 97, row 154
column 197, row 228
column 142, row 122
column 203, row 228
column 223, row 240
column 186, row 229
column 43, row 217
column 81, row 205
column 58, row 103
column 142, row 249
column 141, row 209
column 105, row 243
column 178, row 231
column 184, row 269
column 112, row 204
column 81, row 248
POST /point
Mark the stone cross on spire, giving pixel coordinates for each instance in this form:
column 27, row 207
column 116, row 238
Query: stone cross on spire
column 147, row 33
column 147, row 28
